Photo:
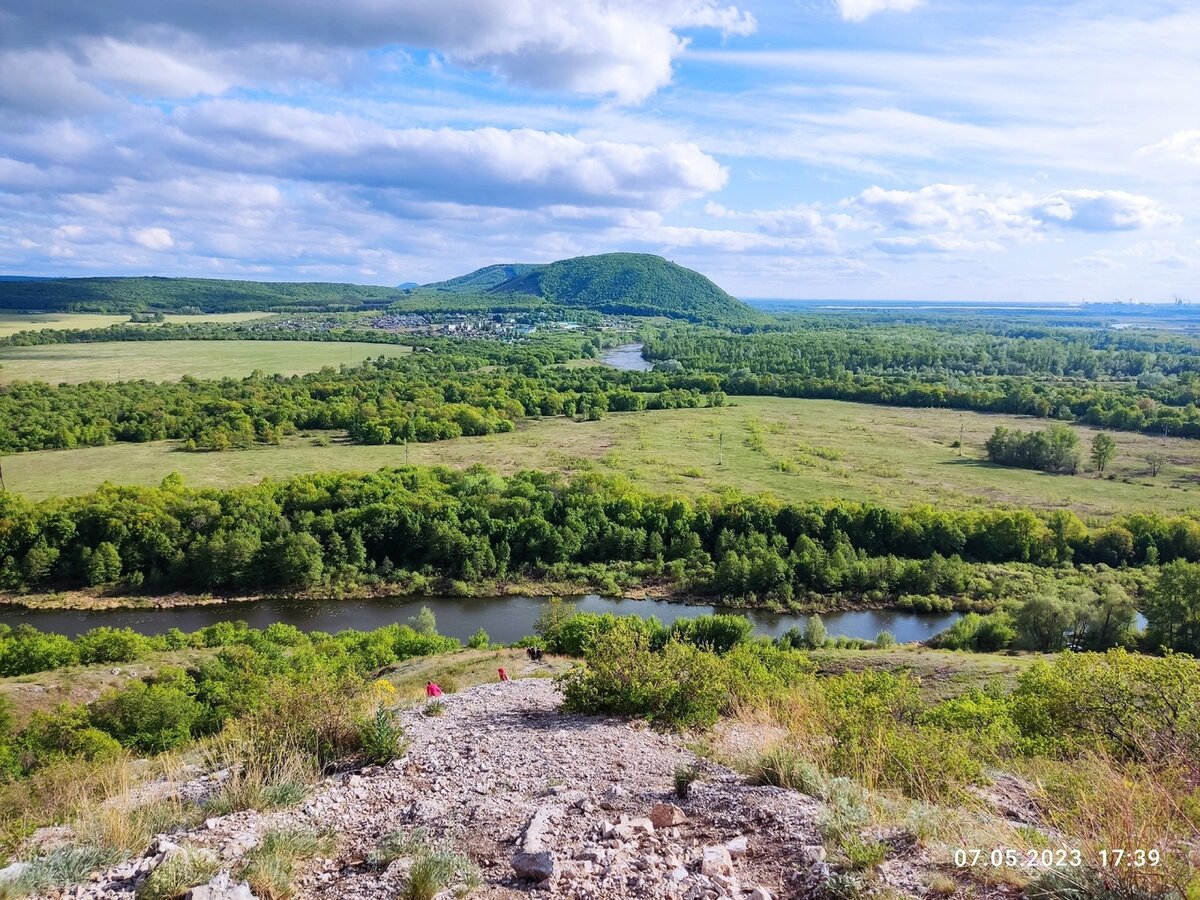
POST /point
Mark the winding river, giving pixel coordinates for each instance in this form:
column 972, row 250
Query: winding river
column 504, row 618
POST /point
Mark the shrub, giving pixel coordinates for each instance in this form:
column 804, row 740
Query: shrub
column 479, row 640
column 424, row 622
column 382, row 739
column 678, row 686
column 320, row 717
column 1134, row 706
column 982, row 634
column 110, row 645
column 875, row 741
column 814, row 636
column 66, row 731
column 884, row 640
column 150, row 716
column 27, row 650
column 720, row 633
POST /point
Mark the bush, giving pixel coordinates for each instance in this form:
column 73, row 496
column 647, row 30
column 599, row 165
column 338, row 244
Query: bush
column 424, row 622
column 720, row 633
column 982, row 634
column 111, row 645
column 579, row 633
column 27, row 650
column 150, row 716
column 678, row 686
column 66, row 731
column 1136, row 707
column 479, row 640
column 320, row 718
column 382, row 739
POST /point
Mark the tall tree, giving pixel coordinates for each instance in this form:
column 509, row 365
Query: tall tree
column 1104, row 448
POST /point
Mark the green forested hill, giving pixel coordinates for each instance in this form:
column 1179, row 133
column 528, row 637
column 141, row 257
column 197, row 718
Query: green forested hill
column 618, row 283
column 621, row 283
column 484, row 279
column 122, row 295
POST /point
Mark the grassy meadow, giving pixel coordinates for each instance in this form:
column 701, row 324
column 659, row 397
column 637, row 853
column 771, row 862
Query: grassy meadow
column 795, row 449
column 171, row 360
column 11, row 323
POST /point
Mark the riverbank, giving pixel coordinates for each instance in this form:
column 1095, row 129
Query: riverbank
column 506, row 619
column 657, row 591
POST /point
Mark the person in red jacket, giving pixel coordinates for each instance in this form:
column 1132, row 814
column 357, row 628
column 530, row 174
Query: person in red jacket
column 432, row 690
column 504, row 675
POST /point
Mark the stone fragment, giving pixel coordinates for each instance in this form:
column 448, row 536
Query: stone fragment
column 813, row 854
column 221, row 888
column 664, row 815
column 737, row 847
column 612, row 796
column 13, row 872
column 643, row 826
column 540, row 866
column 716, row 861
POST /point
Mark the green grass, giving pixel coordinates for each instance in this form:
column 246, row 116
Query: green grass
column 83, row 684
column 809, row 449
column 171, row 360
column 943, row 673
column 11, row 323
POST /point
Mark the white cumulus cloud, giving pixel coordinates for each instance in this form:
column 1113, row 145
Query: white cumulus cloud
column 489, row 167
column 153, row 238
column 860, row 10
column 1182, row 145
column 622, row 49
column 1091, row 210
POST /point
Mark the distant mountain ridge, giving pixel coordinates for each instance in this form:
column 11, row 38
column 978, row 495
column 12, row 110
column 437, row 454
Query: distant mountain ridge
column 138, row 293
column 637, row 284
column 630, row 284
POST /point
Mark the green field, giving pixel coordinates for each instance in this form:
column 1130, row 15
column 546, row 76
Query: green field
column 857, row 451
column 171, row 360
column 11, row 323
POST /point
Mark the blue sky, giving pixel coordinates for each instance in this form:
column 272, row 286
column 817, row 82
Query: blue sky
column 937, row 149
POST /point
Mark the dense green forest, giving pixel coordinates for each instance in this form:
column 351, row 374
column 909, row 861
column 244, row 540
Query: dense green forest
column 1124, row 380
column 412, row 525
column 127, row 295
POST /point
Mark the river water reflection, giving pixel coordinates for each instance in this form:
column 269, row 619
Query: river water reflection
column 504, row 618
